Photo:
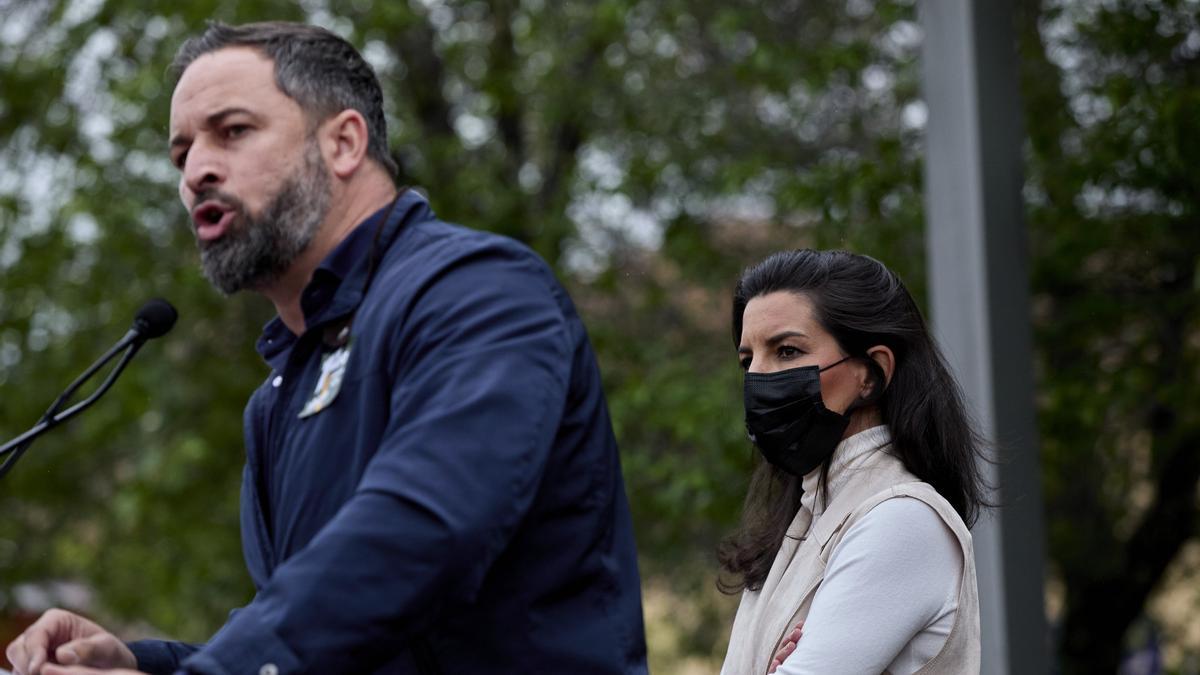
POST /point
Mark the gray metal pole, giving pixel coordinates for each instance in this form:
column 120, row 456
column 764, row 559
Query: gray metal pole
column 979, row 288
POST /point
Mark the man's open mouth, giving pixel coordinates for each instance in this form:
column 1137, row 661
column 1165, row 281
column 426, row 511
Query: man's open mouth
column 211, row 220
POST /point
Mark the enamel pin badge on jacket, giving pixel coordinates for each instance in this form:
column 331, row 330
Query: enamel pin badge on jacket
column 333, row 370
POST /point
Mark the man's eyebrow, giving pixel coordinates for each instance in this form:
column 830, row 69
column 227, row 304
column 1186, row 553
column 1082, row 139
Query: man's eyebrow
column 211, row 121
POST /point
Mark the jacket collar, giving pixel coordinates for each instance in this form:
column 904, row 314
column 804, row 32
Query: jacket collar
column 341, row 280
column 851, row 455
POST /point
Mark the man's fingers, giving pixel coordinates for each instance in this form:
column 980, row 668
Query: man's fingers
column 102, row 650
column 15, row 653
column 28, row 652
column 52, row 669
column 36, row 641
column 32, row 650
column 51, row 628
column 67, row 655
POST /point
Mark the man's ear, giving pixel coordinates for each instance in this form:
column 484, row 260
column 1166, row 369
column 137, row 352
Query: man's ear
column 343, row 140
column 885, row 362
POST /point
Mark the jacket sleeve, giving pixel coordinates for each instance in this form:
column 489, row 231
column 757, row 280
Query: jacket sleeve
column 160, row 657
column 480, row 367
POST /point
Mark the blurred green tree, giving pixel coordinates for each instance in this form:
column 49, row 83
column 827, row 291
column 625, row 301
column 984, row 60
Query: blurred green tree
column 649, row 150
column 1111, row 96
column 637, row 145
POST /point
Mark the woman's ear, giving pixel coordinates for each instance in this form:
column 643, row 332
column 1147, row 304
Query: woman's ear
column 885, row 361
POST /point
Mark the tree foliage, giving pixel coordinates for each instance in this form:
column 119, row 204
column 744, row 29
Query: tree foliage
column 1111, row 93
column 649, row 150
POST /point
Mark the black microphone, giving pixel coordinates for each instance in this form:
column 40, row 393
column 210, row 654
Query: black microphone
column 154, row 319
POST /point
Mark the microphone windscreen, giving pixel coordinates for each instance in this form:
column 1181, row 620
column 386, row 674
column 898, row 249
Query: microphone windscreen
column 155, row 318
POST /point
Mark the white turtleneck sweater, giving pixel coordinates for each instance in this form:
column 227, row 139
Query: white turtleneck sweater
column 890, row 592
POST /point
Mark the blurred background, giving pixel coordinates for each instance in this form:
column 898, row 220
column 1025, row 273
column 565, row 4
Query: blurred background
column 649, row 150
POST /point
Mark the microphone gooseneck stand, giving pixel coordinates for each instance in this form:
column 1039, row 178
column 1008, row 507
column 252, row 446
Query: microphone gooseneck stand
column 154, row 319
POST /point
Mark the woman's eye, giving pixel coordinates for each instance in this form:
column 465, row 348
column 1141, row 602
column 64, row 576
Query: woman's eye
column 786, row 352
column 744, row 362
column 236, row 130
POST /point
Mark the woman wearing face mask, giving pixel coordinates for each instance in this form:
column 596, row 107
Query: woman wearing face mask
column 856, row 522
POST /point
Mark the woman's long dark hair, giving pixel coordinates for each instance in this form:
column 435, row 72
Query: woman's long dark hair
column 861, row 303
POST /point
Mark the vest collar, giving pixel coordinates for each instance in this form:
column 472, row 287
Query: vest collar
column 850, row 456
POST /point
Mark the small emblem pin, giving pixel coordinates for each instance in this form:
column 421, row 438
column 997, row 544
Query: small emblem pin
column 329, row 382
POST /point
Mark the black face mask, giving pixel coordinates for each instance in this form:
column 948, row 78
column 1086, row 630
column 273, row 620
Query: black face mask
column 788, row 421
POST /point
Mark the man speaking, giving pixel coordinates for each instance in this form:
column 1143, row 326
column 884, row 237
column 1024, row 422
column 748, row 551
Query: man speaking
column 431, row 484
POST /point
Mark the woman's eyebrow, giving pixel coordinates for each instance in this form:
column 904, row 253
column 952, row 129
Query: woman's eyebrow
column 780, row 337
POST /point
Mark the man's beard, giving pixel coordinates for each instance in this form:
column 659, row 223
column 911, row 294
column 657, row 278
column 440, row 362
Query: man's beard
column 257, row 250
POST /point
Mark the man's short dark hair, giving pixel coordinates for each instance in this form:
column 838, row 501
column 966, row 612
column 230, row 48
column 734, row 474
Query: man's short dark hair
column 320, row 71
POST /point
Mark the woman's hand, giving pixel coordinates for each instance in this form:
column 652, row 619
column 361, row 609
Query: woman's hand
column 789, row 646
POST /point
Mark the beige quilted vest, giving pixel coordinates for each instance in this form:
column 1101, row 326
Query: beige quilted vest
column 765, row 617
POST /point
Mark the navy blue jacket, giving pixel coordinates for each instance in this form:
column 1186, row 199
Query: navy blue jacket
column 458, row 507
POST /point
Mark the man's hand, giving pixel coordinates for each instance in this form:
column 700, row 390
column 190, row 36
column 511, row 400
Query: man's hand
column 60, row 637
column 789, row 646
column 51, row 669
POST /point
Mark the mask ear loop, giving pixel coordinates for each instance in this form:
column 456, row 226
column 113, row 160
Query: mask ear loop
column 836, row 363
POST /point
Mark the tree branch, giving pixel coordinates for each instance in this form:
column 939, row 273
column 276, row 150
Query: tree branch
column 1101, row 607
column 426, row 78
column 501, row 71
